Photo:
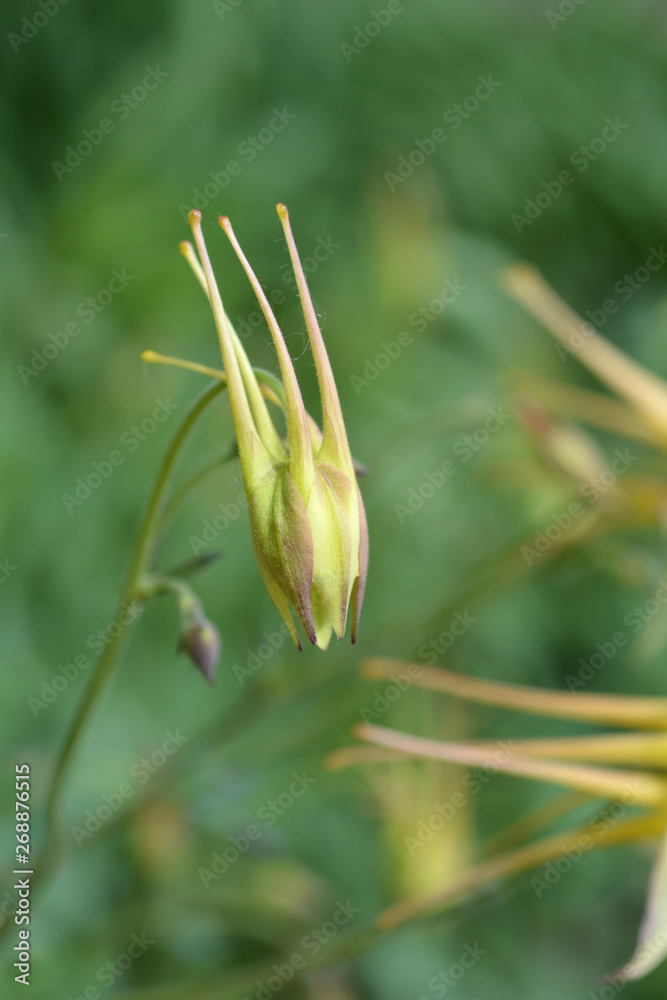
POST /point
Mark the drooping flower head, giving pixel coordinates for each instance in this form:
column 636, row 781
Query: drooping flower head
column 306, row 514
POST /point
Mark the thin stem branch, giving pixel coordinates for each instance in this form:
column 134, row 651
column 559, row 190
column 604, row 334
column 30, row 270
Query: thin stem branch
column 644, row 390
column 604, row 709
column 597, row 781
column 140, row 562
column 576, row 403
column 461, row 886
column 627, row 749
column 150, row 525
column 187, row 489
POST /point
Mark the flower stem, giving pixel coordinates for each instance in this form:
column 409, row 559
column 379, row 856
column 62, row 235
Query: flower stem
column 140, row 563
column 150, row 526
column 463, row 885
column 603, row 709
column 184, row 492
column 596, row 781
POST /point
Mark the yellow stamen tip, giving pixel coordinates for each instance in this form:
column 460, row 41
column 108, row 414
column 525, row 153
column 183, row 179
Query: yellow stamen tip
column 194, row 218
column 282, row 211
column 148, row 355
column 224, row 222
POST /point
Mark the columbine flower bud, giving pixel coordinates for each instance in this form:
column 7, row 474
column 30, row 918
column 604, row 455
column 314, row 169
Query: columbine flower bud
column 200, row 640
column 306, row 514
column 197, row 637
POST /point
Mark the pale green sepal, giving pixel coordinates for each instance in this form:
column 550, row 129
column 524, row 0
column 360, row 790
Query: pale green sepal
column 282, row 534
column 275, row 593
column 359, row 586
column 334, row 519
column 652, row 940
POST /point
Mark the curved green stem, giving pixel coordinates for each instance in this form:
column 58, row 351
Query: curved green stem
column 150, row 525
column 184, row 492
column 140, row 562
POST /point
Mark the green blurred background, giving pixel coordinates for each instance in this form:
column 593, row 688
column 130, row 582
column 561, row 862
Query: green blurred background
column 356, row 88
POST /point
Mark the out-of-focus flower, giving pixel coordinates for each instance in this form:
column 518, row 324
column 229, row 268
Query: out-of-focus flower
column 587, row 765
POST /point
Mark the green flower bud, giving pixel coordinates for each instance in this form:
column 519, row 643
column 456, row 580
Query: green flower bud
column 198, row 637
column 306, row 514
column 200, row 640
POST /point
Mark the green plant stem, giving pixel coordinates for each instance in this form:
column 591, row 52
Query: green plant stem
column 190, row 486
column 103, row 670
column 140, row 562
column 150, row 526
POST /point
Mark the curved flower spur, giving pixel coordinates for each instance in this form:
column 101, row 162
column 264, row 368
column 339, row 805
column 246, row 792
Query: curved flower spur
column 307, row 517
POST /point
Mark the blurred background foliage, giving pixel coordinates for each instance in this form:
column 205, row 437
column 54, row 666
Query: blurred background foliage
column 228, row 67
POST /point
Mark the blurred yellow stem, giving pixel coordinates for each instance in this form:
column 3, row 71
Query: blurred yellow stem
column 644, row 789
column 351, row 756
column 576, row 403
column 152, row 357
column 629, row 749
column 463, row 885
column 534, row 822
column 605, row 709
column 644, row 390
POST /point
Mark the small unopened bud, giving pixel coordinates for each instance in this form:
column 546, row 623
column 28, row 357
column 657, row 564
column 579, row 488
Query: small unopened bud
column 198, row 637
column 201, row 641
